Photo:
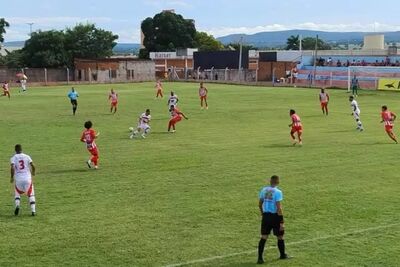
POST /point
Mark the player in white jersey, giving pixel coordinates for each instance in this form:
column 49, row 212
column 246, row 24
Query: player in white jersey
column 356, row 113
column 143, row 125
column 22, row 172
column 173, row 100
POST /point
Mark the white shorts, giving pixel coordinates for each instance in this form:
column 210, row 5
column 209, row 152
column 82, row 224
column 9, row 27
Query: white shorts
column 24, row 186
column 356, row 115
column 144, row 126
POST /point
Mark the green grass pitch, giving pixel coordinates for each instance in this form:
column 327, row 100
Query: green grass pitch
column 175, row 198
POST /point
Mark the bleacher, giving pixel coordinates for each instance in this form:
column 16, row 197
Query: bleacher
column 367, row 69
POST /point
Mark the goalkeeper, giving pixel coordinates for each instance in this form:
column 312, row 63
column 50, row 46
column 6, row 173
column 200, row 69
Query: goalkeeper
column 354, row 86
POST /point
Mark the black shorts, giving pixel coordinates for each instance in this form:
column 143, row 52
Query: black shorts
column 74, row 102
column 271, row 221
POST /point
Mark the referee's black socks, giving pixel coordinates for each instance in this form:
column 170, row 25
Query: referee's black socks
column 281, row 246
column 261, row 246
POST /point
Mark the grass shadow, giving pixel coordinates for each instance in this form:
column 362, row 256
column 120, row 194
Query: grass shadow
column 374, row 144
column 81, row 170
column 279, row 146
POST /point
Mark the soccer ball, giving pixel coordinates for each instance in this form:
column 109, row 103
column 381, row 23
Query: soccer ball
column 131, row 129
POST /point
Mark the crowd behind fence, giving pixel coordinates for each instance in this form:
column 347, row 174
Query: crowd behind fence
column 222, row 75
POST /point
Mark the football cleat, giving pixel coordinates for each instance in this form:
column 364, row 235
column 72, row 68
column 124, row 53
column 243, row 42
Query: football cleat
column 285, row 257
column 33, row 213
column 260, row 261
column 16, row 211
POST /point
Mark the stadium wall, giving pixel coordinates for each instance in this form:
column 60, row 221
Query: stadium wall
column 114, row 70
column 37, row 75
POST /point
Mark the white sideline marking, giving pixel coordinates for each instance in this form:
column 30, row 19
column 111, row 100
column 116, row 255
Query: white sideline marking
column 288, row 244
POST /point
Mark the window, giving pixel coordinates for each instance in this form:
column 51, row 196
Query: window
column 113, row 74
column 130, row 74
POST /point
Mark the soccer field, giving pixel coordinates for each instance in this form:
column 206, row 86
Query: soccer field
column 191, row 197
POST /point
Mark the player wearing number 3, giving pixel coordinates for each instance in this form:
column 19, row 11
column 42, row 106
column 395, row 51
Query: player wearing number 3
column 88, row 137
column 22, row 172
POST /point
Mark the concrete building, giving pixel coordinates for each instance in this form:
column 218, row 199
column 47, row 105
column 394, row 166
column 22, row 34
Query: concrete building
column 122, row 69
column 174, row 64
column 374, row 42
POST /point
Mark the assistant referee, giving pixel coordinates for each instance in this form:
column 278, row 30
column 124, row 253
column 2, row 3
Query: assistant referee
column 73, row 96
column 270, row 205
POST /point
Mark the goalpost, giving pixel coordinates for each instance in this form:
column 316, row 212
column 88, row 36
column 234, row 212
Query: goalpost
column 374, row 77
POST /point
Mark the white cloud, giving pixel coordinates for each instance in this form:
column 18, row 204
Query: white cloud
column 128, row 36
column 51, row 21
column 378, row 27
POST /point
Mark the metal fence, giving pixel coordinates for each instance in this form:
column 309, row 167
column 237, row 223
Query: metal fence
column 223, row 75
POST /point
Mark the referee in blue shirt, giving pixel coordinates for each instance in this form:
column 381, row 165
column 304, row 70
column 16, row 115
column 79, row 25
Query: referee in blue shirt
column 73, row 96
column 270, row 205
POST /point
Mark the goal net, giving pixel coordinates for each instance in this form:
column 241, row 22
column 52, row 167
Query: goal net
column 378, row 78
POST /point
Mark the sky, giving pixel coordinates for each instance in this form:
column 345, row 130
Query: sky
column 216, row 17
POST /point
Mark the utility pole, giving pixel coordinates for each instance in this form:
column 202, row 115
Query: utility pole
column 30, row 28
column 240, row 57
column 301, row 42
column 315, row 59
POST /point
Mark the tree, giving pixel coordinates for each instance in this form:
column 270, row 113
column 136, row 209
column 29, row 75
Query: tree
column 206, row 42
column 46, row 49
column 167, row 31
column 293, row 43
column 87, row 41
column 14, row 59
column 3, row 25
column 59, row 48
column 308, row 43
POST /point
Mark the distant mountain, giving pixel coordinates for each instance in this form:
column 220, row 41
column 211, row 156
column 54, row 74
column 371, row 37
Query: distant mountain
column 14, row 44
column 126, row 48
column 279, row 38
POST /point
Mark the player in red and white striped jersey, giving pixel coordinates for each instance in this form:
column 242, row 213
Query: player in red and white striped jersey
column 88, row 137
column 6, row 89
column 388, row 118
column 113, row 97
column 296, row 126
column 159, row 89
column 176, row 116
column 324, row 100
column 203, row 92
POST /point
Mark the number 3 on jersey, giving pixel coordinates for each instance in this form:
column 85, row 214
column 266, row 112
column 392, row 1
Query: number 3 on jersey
column 21, row 164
